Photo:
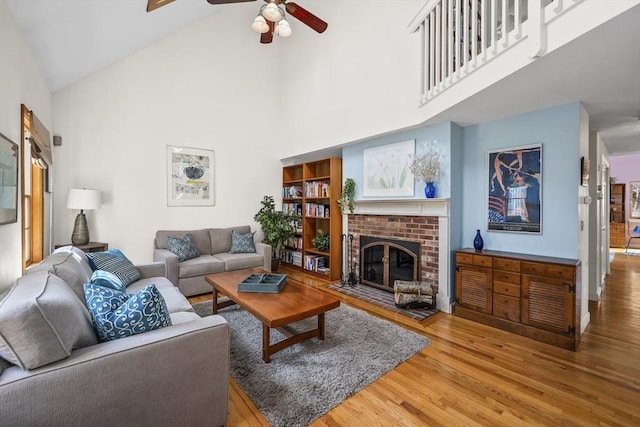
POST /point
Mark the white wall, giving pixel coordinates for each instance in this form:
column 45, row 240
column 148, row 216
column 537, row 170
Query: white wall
column 359, row 79
column 195, row 89
column 20, row 83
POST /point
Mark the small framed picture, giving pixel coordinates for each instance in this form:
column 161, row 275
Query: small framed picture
column 190, row 173
column 584, row 172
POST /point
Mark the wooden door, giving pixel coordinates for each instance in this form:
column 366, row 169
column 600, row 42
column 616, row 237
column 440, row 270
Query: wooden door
column 474, row 288
column 548, row 304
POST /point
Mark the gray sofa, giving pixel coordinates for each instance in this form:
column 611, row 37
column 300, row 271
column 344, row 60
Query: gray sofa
column 55, row 373
column 214, row 245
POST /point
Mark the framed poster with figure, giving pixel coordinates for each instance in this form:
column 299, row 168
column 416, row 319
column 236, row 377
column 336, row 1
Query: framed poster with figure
column 8, row 180
column 514, row 189
column 190, row 173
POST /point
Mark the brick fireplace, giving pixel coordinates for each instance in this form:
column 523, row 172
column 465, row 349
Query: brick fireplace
column 422, row 221
column 422, row 230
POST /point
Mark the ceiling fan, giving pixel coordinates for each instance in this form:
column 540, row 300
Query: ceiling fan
column 271, row 19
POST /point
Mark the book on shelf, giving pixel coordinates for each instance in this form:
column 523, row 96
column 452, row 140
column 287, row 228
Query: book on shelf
column 312, row 262
column 292, row 192
column 316, row 210
column 319, row 189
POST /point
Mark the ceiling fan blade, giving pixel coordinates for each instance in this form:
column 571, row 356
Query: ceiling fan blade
column 267, row 37
column 306, row 17
column 227, row 1
column 154, row 4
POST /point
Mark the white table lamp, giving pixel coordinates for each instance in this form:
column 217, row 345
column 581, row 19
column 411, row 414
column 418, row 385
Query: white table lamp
column 82, row 199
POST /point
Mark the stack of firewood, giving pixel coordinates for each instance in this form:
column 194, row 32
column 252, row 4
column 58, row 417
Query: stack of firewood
column 409, row 294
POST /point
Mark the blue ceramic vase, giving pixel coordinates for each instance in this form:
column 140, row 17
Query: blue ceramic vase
column 430, row 190
column 478, row 243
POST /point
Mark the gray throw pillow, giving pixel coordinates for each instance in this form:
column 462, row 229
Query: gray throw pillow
column 42, row 321
column 183, row 247
column 242, row 243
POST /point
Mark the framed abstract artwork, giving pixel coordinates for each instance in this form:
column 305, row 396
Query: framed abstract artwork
column 190, row 176
column 514, row 189
column 8, row 180
column 386, row 170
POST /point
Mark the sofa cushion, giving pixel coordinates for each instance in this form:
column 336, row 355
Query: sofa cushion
column 184, row 247
column 42, row 321
column 108, row 280
column 70, row 264
column 221, row 238
column 204, row 264
column 117, row 314
column 200, row 238
column 114, row 262
column 240, row 261
column 173, row 298
column 242, row 243
column 183, row 317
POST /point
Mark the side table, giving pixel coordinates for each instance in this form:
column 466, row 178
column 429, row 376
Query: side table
column 89, row 247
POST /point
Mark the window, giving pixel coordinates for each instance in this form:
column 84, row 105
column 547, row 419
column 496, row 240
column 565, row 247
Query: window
column 36, row 156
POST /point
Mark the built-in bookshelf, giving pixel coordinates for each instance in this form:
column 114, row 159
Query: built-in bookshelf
column 311, row 190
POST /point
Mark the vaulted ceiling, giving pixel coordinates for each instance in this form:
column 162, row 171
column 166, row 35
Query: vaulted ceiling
column 72, row 39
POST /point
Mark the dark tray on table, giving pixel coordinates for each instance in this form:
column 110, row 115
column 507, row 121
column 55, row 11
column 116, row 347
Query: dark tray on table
column 265, row 283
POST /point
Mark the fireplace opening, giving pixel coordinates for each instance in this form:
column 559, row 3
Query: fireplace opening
column 383, row 261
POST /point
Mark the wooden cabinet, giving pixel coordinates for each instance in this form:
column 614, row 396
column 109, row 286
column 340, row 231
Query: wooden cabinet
column 476, row 283
column 529, row 295
column 311, row 190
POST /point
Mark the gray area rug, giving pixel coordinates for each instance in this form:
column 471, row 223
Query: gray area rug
column 305, row 381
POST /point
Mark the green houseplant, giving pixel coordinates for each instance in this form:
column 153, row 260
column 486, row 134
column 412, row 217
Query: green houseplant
column 347, row 200
column 277, row 227
column 321, row 242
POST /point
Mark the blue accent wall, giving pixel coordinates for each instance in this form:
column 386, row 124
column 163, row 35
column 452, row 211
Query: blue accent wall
column 558, row 130
column 352, row 157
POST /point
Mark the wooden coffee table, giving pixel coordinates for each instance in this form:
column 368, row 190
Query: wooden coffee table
column 293, row 303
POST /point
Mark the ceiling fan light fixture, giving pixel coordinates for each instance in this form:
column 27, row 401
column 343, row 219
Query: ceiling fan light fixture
column 260, row 25
column 283, row 29
column 272, row 12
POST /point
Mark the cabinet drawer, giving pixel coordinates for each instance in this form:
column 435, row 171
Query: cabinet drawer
column 506, row 264
column 534, row 268
column 506, row 277
column 560, row 272
column 506, row 289
column 506, row 307
column 481, row 260
column 464, row 258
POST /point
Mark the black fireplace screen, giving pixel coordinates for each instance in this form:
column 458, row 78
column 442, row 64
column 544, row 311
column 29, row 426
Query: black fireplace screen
column 383, row 261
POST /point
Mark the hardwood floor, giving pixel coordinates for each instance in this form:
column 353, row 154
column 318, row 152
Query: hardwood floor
column 473, row 374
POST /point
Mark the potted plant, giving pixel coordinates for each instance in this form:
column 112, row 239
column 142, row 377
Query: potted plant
column 321, row 242
column 347, row 200
column 426, row 167
column 277, row 227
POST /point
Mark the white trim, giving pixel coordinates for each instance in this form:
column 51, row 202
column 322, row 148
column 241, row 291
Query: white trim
column 418, row 207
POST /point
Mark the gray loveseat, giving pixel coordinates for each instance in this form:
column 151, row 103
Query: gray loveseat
column 53, row 372
column 214, row 245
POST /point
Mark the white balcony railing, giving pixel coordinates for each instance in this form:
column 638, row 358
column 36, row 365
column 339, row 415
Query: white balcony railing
column 459, row 36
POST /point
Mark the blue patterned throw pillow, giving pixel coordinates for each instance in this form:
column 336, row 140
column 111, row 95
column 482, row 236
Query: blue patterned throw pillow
column 108, row 280
column 114, row 262
column 116, row 314
column 183, row 247
column 242, row 243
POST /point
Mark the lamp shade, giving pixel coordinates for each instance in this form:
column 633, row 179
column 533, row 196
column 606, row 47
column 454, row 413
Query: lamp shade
column 83, row 199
